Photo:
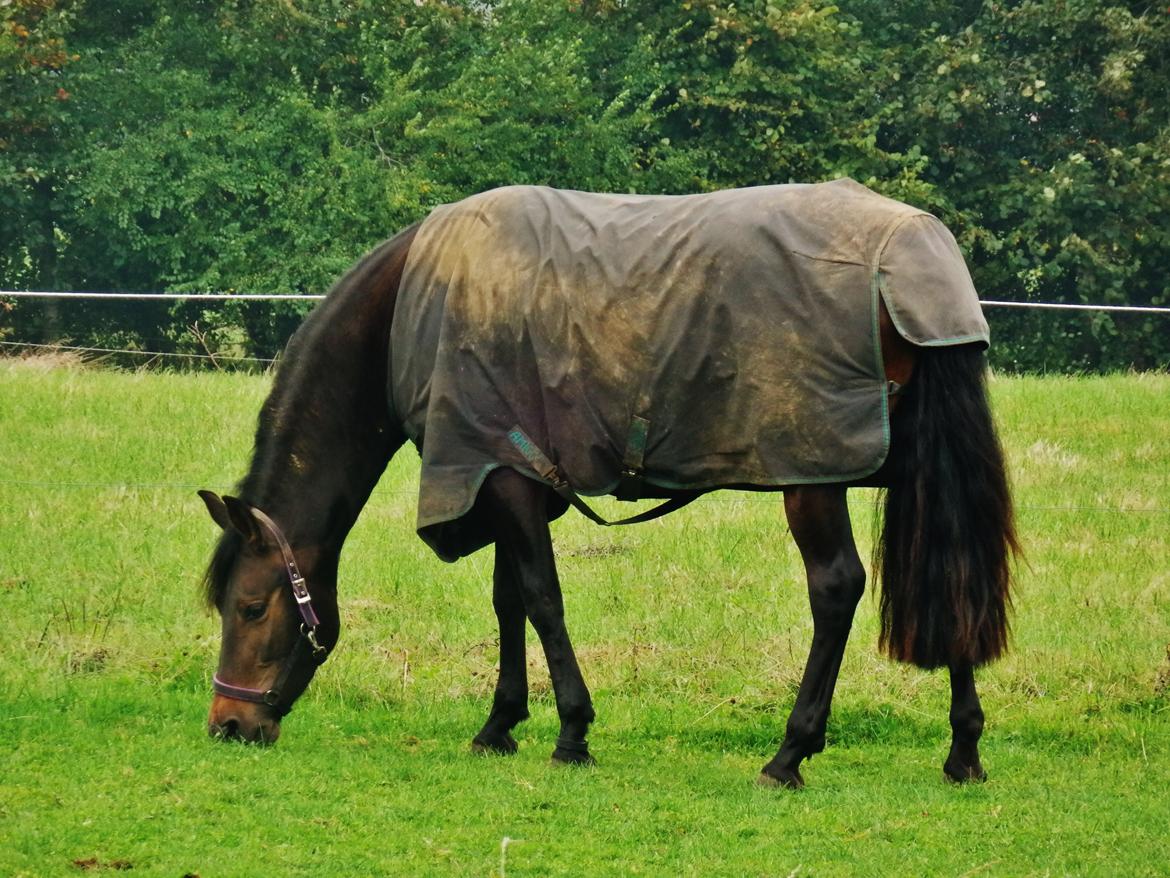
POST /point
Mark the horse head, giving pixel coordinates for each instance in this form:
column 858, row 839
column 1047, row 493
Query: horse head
column 273, row 639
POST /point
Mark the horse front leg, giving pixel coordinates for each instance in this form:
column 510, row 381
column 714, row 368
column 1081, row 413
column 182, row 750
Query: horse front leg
column 819, row 520
column 962, row 765
column 510, row 704
column 517, row 506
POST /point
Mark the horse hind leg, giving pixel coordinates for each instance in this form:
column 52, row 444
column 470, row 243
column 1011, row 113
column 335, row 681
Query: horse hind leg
column 819, row 520
column 963, row 765
column 517, row 508
column 510, row 704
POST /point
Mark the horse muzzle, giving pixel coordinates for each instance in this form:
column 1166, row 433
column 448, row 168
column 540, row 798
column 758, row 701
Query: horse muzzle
column 233, row 720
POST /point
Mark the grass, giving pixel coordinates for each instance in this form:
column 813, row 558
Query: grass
column 692, row 633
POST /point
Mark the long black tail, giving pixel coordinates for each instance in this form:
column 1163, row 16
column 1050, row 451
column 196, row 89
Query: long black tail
column 948, row 538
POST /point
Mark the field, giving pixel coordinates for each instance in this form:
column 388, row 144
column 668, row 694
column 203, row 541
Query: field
column 692, row 632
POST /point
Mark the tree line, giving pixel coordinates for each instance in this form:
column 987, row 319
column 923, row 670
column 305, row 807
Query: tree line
column 263, row 145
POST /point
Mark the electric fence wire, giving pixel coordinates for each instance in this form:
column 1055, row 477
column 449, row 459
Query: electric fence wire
column 299, row 297
column 215, row 358
column 761, row 496
column 1139, row 309
column 274, row 297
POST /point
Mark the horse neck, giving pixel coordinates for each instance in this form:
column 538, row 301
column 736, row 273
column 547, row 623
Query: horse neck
column 326, row 431
column 331, row 442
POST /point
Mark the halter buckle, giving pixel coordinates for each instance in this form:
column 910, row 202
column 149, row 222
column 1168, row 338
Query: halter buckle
column 299, row 589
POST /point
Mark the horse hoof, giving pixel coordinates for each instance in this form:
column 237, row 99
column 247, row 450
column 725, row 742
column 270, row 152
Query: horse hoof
column 964, row 774
column 495, row 746
column 572, row 757
column 789, row 779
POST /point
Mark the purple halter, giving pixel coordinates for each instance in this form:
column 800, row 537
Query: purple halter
column 307, row 640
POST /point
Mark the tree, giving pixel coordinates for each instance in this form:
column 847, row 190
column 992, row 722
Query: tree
column 1045, row 124
column 234, row 144
column 33, row 58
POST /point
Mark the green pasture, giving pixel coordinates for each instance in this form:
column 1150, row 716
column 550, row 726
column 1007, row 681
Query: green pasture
column 692, row 632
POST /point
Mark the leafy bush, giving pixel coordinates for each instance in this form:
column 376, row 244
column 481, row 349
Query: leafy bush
column 265, row 146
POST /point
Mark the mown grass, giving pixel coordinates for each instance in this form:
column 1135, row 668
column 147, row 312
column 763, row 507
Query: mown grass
column 692, row 633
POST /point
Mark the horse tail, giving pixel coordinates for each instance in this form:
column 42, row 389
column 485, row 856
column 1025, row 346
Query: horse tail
column 948, row 535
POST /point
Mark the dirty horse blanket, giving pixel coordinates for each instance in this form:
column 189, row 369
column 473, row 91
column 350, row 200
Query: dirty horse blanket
column 699, row 341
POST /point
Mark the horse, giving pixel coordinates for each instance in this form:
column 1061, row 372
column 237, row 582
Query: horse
column 341, row 406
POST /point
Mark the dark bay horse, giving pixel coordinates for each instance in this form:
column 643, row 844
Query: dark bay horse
column 328, row 429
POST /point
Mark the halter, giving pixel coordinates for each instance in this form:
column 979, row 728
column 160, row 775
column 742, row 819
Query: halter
column 308, row 631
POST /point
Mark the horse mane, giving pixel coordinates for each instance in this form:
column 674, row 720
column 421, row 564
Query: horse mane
column 306, row 356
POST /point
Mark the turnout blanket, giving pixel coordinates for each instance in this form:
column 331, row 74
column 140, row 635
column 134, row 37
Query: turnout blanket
column 690, row 342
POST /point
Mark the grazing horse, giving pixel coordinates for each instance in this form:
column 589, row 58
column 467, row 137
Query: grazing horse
column 538, row 345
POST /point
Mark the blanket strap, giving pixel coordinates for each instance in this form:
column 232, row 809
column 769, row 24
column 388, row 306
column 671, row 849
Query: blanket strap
column 547, row 470
column 633, row 460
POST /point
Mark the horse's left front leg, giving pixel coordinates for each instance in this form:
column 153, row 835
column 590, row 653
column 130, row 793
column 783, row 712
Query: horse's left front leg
column 819, row 520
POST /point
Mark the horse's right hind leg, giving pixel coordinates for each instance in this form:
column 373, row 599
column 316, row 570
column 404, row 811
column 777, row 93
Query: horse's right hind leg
column 510, row 705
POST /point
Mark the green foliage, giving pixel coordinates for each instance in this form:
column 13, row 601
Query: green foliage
column 33, row 110
column 264, row 146
column 1045, row 124
column 760, row 92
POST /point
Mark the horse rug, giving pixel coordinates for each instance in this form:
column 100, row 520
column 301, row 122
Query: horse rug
column 688, row 342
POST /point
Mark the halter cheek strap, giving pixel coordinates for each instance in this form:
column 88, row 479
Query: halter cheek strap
column 306, row 641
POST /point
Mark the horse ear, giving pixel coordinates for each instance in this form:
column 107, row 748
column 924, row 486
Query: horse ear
column 232, row 513
column 242, row 519
column 217, row 508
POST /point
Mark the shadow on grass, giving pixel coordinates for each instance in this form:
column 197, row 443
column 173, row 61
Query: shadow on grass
column 108, row 702
column 754, row 730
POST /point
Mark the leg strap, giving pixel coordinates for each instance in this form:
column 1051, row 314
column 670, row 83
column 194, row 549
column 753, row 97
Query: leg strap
column 547, row 470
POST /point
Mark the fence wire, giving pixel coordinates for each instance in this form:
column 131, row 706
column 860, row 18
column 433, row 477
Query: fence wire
column 218, row 359
column 221, row 359
column 207, row 297
column 214, row 358
column 739, row 496
column 302, row 297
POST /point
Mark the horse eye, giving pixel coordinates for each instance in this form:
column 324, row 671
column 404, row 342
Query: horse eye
column 255, row 612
